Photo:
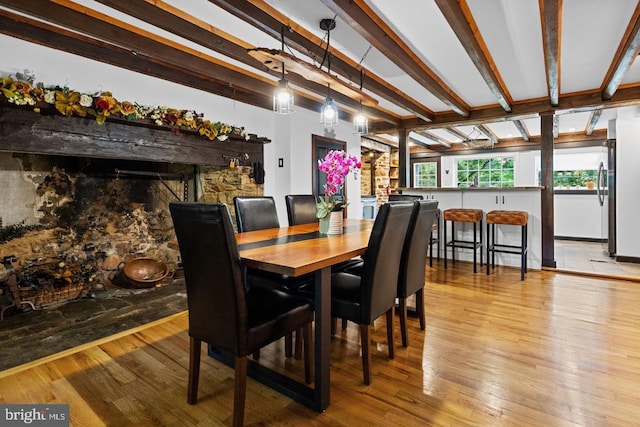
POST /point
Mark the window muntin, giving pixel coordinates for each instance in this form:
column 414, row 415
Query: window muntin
column 486, row 172
column 425, row 174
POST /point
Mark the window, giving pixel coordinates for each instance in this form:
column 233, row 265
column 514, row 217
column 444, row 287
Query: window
column 584, row 178
column 425, row 174
column 486, row 172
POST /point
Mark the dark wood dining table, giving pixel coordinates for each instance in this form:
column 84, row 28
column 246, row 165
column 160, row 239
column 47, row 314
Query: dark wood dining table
column 295, row 251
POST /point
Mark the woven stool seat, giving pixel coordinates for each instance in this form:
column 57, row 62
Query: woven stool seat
column 457, row 215
column 463, row 215
column 507, row 217
column 498, row 218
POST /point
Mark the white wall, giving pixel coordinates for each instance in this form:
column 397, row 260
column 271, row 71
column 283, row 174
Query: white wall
column 290, row 135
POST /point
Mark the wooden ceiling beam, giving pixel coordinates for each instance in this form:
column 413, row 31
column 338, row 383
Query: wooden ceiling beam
column 455, row 132
column 625, row 55
column 174, row 20
column 522, row 128
column 514, row 143
column 432, row 136
column 461, row 21
column 269, row 20
column 551, row 15
column 422, row 140
column 488, row 133
column 161, row 51
column 44, row 34
column 38, row 32
column 361, row 18
column 583, row 102
column 593, row 121
column 78, row 18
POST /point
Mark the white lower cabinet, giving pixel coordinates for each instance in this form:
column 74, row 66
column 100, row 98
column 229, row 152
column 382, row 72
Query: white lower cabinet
column 488, row 199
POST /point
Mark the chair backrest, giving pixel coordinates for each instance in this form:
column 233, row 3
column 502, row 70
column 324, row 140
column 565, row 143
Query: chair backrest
column 255, row 213
column 382, row 259
column 301, row 208
column 215, row 291
column 404, row 197
column 414, row 253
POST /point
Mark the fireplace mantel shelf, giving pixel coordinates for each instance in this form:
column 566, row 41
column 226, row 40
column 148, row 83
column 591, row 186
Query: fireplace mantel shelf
column 23, row 131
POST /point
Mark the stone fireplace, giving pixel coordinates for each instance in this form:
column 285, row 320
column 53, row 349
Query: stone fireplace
column 69, row 223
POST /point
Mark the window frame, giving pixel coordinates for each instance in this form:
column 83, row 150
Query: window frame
column 487, row 171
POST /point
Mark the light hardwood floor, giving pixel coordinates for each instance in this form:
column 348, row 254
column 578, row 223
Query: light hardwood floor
column 554, row 350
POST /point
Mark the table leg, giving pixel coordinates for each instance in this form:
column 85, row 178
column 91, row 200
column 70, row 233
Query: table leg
column 322, row 342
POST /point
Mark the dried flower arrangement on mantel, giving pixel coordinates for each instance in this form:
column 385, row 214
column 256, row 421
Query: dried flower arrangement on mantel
column 20, row 90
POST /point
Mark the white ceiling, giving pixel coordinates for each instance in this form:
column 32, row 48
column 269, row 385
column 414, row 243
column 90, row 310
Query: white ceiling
column 591, row 31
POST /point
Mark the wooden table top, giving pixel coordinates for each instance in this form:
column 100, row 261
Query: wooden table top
column 300, row 249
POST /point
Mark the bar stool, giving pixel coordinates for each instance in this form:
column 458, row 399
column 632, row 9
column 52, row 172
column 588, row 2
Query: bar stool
column 498, row 217
column 463, row 215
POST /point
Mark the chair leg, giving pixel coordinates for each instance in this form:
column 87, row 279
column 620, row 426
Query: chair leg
column 240, row 391
column 299, row 342
column 288, row 345
column 366, row 355
column 420, row 308
column 431, row 249
column 344, row 324
column 390, row 332
column 402, row 312
column 194, row 370
column 306, row 338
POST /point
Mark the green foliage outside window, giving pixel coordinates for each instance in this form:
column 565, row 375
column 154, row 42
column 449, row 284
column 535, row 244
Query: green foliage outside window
column 575, row 178
column 425, row 174
column 486, row 172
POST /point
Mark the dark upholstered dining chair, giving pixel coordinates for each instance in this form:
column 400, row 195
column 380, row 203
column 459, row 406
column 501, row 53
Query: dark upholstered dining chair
column 362, row 299
column 433, row 241
column 404, row 197
column 413, row 262
column 255, row 213
column 260, row 213
column 301, row 208
column 222, row 311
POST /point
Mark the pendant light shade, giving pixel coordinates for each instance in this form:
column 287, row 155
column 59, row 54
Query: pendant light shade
column 360, row 123
column 329, row 113
column 283, row 98
column 283, row 95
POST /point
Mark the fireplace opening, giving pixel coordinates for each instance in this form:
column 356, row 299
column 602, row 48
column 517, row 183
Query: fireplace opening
column 70, row 225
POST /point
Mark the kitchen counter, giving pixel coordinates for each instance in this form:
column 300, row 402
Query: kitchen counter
column 525, row 198
column 524, row 187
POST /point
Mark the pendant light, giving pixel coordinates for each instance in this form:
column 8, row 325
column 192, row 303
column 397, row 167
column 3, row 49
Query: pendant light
column 329, row 111
column 360, row 121
column 283, row 95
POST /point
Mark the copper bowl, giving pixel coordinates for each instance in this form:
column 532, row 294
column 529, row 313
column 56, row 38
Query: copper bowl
column 145, row 272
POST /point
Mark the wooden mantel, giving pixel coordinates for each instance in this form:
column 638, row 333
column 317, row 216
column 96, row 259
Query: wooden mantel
column 24, row 131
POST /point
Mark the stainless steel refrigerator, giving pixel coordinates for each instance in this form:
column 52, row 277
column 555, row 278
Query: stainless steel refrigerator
column 606, row 191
